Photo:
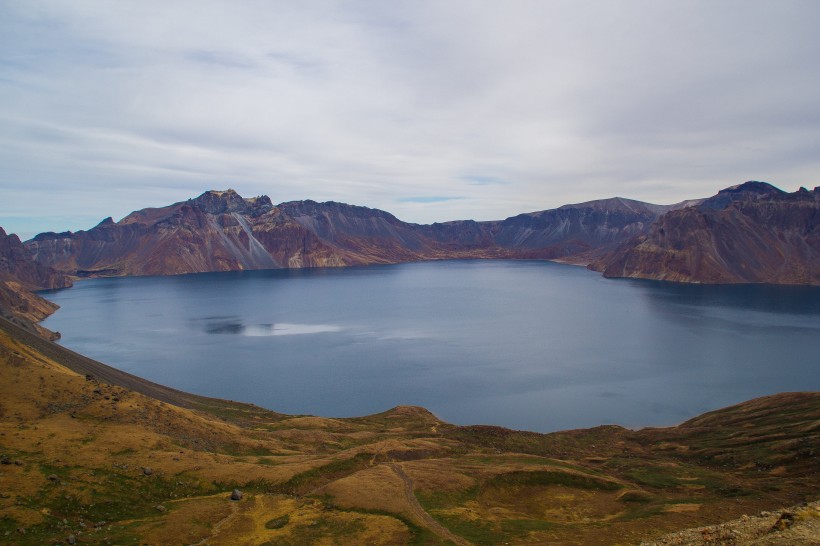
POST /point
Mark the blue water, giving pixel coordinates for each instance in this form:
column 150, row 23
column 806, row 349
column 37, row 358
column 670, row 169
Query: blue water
column 523, row 344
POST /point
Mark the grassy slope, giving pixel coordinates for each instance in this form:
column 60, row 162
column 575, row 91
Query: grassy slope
column 76, row 437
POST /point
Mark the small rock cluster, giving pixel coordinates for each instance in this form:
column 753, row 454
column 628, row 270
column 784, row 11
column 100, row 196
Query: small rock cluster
column 795, row 526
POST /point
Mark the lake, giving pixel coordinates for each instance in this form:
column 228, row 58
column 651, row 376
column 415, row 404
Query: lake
column 522, row 344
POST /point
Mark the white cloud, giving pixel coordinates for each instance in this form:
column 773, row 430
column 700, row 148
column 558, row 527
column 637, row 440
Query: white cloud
column 107, row 107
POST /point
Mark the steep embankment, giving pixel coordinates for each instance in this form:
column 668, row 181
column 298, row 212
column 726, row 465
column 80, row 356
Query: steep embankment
column 19, row 276
column 751, row 233
column 92, row 455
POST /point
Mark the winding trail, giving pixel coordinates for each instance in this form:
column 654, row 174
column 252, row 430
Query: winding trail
column 216, row 528
column 421, row 514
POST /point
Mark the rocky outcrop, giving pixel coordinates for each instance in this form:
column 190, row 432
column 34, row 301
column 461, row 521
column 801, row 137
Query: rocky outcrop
column 750, row 233
column 17, row 264
column 217, row 231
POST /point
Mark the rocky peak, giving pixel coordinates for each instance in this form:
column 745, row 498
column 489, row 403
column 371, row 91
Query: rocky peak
column 8, row 240
column 222, row 202
column 16, row 263
column 753, row 187
column 747, row 191
column 312, row 208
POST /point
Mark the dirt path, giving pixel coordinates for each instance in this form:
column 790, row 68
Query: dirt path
column 220, row 524
column 423, row 517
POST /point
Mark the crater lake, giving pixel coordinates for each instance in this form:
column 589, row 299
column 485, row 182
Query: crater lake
column 523, row 344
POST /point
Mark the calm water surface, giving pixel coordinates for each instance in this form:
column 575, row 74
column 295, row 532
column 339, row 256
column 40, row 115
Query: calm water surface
column 527, row 345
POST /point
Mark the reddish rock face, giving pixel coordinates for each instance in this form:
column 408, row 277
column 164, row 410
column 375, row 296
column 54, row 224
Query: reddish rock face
column 751, row 233
column 221, row 231
column 748, row 233
column 19, row 275
column 17, row 264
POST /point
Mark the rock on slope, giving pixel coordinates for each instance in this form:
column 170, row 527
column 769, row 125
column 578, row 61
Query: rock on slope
column 795, row 526
column 751, row 233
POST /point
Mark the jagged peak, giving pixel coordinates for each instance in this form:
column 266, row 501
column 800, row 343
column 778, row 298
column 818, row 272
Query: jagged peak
column 750, row 190
column 614, row 204
column 311, row 208
column 106, row 222
column 225, row 201
column 753, row 186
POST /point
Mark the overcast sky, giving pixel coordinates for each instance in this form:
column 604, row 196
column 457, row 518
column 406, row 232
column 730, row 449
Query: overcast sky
column 432, row 110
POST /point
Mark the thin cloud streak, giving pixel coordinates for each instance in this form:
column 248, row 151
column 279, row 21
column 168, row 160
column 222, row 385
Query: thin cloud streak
column 518, row 106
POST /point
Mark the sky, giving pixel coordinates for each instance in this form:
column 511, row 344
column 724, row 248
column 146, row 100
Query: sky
column 432, row 110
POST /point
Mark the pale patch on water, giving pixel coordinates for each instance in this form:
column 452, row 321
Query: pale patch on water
column 286, row 329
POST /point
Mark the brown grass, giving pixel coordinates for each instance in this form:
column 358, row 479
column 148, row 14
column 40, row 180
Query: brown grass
column 93, row 436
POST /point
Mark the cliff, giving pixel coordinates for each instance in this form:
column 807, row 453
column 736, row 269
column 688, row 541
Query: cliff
column 19, row 276
column 750, row 233
column 217, row 231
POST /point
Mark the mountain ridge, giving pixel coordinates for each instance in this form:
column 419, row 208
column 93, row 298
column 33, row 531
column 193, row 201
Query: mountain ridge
column 750, row 232
column 220, row 231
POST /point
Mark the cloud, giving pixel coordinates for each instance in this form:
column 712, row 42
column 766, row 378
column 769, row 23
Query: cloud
column 427, row 199
column 107, row 107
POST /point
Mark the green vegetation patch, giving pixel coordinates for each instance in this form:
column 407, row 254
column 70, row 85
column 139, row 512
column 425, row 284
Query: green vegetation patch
column 635, row 495
column 311, row 533
column 433, row 500
column 316, row 477
column 419, row 536
column 541, row 478
column 88, row 499
column 278, row 523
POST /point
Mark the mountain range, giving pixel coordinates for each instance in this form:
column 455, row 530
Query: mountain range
column 750, row 233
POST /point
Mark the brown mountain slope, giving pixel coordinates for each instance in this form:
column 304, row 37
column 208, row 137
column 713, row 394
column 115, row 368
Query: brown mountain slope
column 218, row 231
column 221, row 231
column 751, row 233
column 748, row 233
column 17, row 264
column 89, row 455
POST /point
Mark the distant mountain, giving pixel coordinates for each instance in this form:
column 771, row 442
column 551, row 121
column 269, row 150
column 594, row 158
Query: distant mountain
column 753, row 232
column 750, row 233
column 572, row 229
column 221, row 231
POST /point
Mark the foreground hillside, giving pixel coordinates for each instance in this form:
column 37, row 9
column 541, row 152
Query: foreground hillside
column 93, row 455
